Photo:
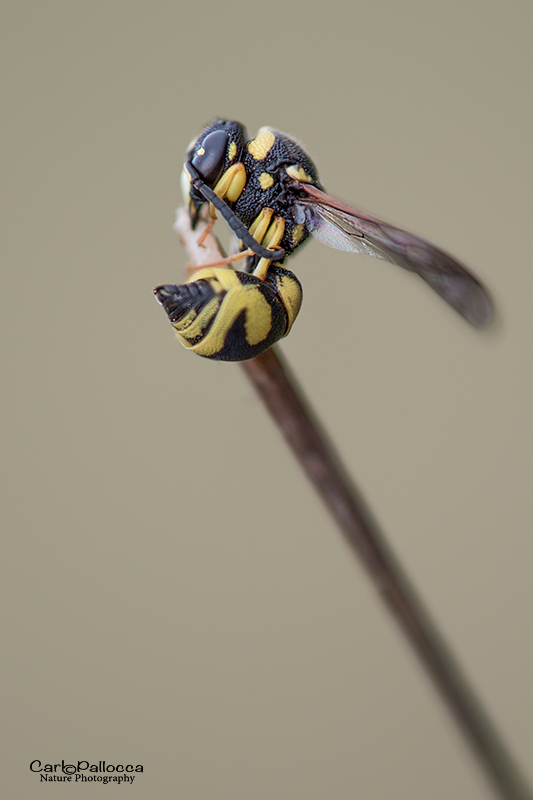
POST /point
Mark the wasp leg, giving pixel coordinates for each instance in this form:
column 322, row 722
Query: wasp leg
column 260, row 225
column 223, row 262
column 231, row 184
column 209, row 227
column 271, row 239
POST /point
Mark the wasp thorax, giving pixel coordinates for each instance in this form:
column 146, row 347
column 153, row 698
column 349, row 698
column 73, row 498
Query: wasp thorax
column 232, row 316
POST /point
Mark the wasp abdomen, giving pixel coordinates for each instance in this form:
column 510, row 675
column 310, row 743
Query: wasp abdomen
column 180, row 300
column 232, row 316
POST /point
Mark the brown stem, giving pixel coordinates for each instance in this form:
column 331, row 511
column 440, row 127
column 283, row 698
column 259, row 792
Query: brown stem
column 291, row 412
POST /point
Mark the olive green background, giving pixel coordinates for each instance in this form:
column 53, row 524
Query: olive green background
column 174, row 594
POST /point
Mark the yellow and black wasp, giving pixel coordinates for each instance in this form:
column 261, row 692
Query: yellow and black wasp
column 267, row 189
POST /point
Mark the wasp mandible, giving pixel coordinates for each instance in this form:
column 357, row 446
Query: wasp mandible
column 268, row 191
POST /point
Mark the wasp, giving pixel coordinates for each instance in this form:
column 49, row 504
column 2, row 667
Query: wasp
column 268, row 191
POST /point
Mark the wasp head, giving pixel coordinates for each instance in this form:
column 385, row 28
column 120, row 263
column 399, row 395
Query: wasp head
column 216, row 148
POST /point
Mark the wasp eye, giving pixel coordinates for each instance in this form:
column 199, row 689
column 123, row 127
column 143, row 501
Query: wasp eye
column 209, row 159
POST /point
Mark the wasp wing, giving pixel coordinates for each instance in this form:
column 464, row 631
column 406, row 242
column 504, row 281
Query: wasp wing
column 344, row 228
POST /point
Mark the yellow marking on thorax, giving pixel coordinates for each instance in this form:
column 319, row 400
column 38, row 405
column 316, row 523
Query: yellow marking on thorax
column 232, row 182
column 298, row 173
column 200, row 151
column 262, row 144
column 297, row 234
column 232, row 151
column 265, row 180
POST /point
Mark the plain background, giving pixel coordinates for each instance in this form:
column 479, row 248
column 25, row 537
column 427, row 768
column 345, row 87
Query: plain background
column 174, row 594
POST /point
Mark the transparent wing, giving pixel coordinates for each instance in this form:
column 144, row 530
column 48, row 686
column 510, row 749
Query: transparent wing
column 344, row 228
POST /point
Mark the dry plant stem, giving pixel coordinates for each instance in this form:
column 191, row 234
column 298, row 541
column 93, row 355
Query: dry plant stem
column 285, row 402
column 291, row 412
